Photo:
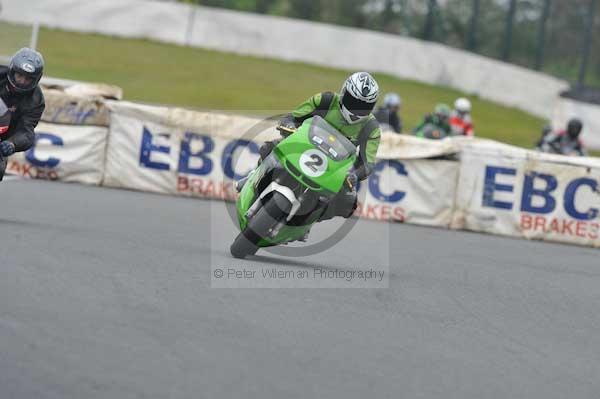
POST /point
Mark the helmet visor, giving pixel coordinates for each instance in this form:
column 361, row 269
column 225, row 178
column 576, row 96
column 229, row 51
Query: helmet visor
column 355, row 106
column 22, row 80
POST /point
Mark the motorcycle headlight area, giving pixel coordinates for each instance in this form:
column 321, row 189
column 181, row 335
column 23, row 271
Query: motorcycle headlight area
column 329, row 141
column 326, row 149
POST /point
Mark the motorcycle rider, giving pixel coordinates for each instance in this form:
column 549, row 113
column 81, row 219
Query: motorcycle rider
column 440, row 119
column 20, row 92
column 564, row 142
column 350, row 112
column 546, row 130
column 460, row 121
column 388, row 113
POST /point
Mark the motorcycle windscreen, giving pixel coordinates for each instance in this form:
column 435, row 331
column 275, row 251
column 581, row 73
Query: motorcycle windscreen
column 329, row 140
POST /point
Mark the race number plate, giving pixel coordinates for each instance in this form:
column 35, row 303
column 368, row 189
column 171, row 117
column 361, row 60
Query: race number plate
column 313, row 163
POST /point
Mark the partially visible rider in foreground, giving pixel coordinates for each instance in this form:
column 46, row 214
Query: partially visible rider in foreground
column 435, row 125
column 564, row 142
column 24, row 100
column 350, row 112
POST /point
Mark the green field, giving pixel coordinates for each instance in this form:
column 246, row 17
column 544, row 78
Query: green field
column 195, row 78
column 13, row 37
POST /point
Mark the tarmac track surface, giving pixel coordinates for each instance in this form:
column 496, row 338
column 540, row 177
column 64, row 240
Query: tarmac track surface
column 107, row 294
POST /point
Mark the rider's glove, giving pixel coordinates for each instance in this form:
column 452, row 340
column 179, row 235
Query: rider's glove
column 7, row 148
column 352, row 179
column 287, row 126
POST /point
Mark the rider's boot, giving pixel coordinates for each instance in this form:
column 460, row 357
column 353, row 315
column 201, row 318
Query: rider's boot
column 343, row 204
column 305, row 236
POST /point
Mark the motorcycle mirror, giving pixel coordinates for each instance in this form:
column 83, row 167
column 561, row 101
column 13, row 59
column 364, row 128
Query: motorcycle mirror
column 5, row 117
column 3, row 107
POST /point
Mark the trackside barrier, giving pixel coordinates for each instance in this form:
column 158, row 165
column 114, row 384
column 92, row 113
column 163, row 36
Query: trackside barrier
column 296, row 40
column 71, row 138
column 491, row 187
column 526, row 194
column 66, row 109
column 74, row 154
column 150, row 149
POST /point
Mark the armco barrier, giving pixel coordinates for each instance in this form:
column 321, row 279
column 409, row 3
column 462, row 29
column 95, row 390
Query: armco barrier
column 494, row 188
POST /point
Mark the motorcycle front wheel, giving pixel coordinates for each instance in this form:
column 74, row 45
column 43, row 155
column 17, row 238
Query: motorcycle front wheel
column 274, row 211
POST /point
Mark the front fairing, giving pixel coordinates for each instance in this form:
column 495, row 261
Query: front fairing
column 287, row 165
column 249, row 192
column 310, row 162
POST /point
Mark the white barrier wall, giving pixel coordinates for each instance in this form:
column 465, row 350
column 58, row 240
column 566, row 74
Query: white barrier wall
column 155, row 20
column 68, row 153
column 414, row 191
column 62, row 108
column 149, row 150
column 525, row 194
column 303, row 41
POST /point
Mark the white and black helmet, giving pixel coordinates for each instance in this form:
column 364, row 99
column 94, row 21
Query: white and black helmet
column 358, row 97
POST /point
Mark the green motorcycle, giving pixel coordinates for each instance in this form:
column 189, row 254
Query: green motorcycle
column 288, row 192
column 432, row 132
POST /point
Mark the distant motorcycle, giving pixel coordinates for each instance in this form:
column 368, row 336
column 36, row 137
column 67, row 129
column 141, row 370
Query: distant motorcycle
column 433, row 132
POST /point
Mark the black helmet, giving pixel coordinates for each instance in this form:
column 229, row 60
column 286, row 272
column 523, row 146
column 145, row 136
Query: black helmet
column 29, row 64
column 574, row 128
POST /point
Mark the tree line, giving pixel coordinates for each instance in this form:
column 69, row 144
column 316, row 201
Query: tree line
column 555, row 36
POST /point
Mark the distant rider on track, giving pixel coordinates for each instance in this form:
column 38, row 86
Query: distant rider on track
column 564, row 142
column 387, row 115
column 21, row 95
column 435, row 125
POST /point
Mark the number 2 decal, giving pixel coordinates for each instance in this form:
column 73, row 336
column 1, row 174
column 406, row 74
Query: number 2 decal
column 313, row 163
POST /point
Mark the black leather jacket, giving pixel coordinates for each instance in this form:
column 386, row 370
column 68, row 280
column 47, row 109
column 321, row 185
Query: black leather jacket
column 385, row 117
column 27, row 112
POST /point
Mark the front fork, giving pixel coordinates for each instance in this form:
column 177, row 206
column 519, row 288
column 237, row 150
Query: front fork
column 303, row 200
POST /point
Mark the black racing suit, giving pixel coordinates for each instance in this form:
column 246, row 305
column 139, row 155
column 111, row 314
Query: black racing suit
column 386, row 117
column 27, row 109
column 563, row 144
